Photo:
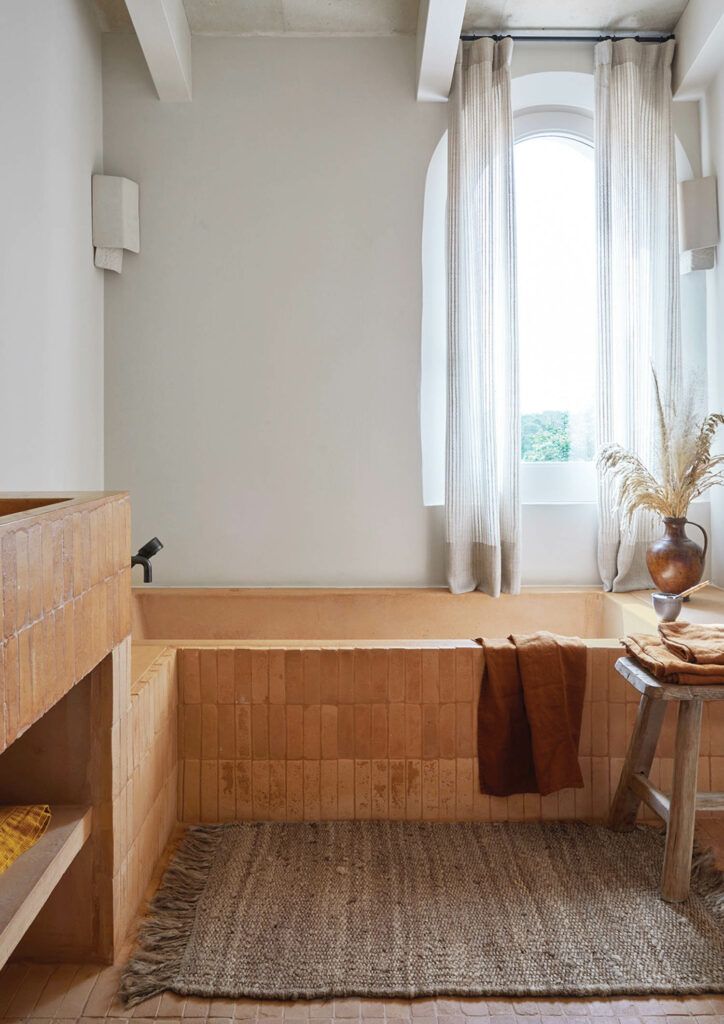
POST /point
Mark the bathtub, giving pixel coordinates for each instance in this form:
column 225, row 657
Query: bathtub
column 331, row 704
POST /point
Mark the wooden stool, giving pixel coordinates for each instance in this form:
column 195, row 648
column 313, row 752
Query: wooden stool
column 678, row 810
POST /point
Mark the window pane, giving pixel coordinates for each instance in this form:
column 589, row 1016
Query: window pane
column 555, row 212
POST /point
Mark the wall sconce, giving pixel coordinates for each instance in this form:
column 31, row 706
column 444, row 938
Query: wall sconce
column 698, row 224
column 115, row 220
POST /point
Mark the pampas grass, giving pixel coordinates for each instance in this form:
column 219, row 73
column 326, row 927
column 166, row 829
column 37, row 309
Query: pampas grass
column 685, row 465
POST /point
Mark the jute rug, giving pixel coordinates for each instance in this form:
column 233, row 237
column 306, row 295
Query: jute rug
column 389, row 909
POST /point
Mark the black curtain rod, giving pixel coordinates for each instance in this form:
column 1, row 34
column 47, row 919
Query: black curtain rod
column 566, row 39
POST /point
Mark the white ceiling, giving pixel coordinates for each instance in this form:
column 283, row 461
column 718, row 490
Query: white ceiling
column 390, row 17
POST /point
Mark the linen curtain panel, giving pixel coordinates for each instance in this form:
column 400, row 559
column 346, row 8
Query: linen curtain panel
column 482, row 514
column 638, row 276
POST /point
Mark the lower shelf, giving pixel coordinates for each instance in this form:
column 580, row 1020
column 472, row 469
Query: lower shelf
column 28, row 883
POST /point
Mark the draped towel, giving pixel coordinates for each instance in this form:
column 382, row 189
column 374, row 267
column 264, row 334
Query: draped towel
column 638, row 276
column 482, row 515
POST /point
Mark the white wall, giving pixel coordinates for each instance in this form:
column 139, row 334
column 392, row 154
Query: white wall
column 263, row 349
column 51, row 296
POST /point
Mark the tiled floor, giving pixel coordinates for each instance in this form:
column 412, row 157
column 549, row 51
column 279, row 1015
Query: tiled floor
column 68, row 994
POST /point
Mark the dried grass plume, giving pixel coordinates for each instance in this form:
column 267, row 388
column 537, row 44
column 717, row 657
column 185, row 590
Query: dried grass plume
column 686, row 467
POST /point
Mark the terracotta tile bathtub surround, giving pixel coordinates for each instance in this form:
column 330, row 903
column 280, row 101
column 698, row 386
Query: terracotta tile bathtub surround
column 383, row 733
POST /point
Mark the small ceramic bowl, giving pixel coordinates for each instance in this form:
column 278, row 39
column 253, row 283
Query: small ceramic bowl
column 667, row 606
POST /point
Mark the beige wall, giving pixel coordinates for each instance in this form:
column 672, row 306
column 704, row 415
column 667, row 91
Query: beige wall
column 51, row 295
column 263, row 349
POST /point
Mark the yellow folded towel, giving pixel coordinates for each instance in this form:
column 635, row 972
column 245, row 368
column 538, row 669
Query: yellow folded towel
column 20, row 828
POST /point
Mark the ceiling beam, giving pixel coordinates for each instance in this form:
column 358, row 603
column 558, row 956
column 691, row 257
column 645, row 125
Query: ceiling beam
column 165, row 39
column 699, row 48
column 439, row 24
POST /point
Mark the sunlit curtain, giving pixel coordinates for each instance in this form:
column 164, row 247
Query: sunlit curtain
column 638, row 275
column 483, row 418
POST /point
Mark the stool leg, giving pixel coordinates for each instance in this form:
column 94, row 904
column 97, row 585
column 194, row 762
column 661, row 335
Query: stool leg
column 641, row 750
column 682, row 816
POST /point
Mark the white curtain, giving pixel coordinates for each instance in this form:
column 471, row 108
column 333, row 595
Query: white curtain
column 638, row 275
column 483, row 419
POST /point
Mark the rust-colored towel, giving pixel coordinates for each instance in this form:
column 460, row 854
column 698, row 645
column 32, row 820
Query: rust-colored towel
column 529, row 714
column 701, row 645
column 652, row 653
column 20, row 828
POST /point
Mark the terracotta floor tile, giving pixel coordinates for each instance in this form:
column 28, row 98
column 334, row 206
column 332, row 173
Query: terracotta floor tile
column 147, row 1009
column 347, row 1008
column 80, row 990
column 426, row 1008
column 526, row 1009
column 296, row 1011
column 220, row 1008
column 171, row 1005
column 103, row 992
column 28, row 991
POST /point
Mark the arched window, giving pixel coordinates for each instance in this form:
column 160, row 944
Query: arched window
column 555, row 216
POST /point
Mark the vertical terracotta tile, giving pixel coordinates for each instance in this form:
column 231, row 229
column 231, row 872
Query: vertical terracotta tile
column 8, row 571
column 397, row 742
column 192, row 791
column 584, row 743
column 448, row 791
column 12, row 689
column 46, row 530
column 190, row 676
column 447, row 734
column 259, row 677
column 328, row 677
column 379, row 730
column 599, row 728
column 532, row 806
column 227, row 732
column 295, row 790
column 430, row 677
column 328, row 790
column 430, row 790
column 362, row 676
column 362, row 792
column 716, row 767
column 447, row 689
column 345, row 677
column 25, row 674
column 312, row 743
column 463, row 730
column 362, row 730
column 311, row 676
column 465, row 782
column 242, row 676
column 22, row 579
column 617, row 739
column 379, row 789
column 191, row 738
column 600, row 785
column 243, row 791
column 413, row 731
column 277, row 790
column 225, row 675
column 667, row 738
column 243, row 731
column 260, row 731
column 68, row 558
column 209, row 731
column 716, row 728
column 277, row 731
column 464, row 674
column 345, row 789
column 395, row 676
column 35, row 572
column 312, row 806
column 583, row 796
column 430, row 731
column 277, row 685
column 209, row 676
column 293, row 677
column 397, row 790
column 345, row 730
column 413, row 790
column 379, row 660
column 295, row 732
column 260, row 789
column 413, row 676
column 328, row 727
column 481, row 801
column 209, row 791
column 498, row 808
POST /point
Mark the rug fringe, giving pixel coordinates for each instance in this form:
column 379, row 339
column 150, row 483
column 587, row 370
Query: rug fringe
column 163, row 937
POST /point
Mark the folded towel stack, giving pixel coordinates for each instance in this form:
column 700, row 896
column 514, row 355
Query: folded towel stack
column 683, row 652
column 20, row 828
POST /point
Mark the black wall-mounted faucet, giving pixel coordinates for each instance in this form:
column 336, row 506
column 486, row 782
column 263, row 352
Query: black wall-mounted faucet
column 144, row 556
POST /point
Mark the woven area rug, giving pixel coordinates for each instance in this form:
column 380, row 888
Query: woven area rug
column 389, row 909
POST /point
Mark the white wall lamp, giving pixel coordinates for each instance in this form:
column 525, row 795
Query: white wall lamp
column 115, row 220
column 698, row 224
